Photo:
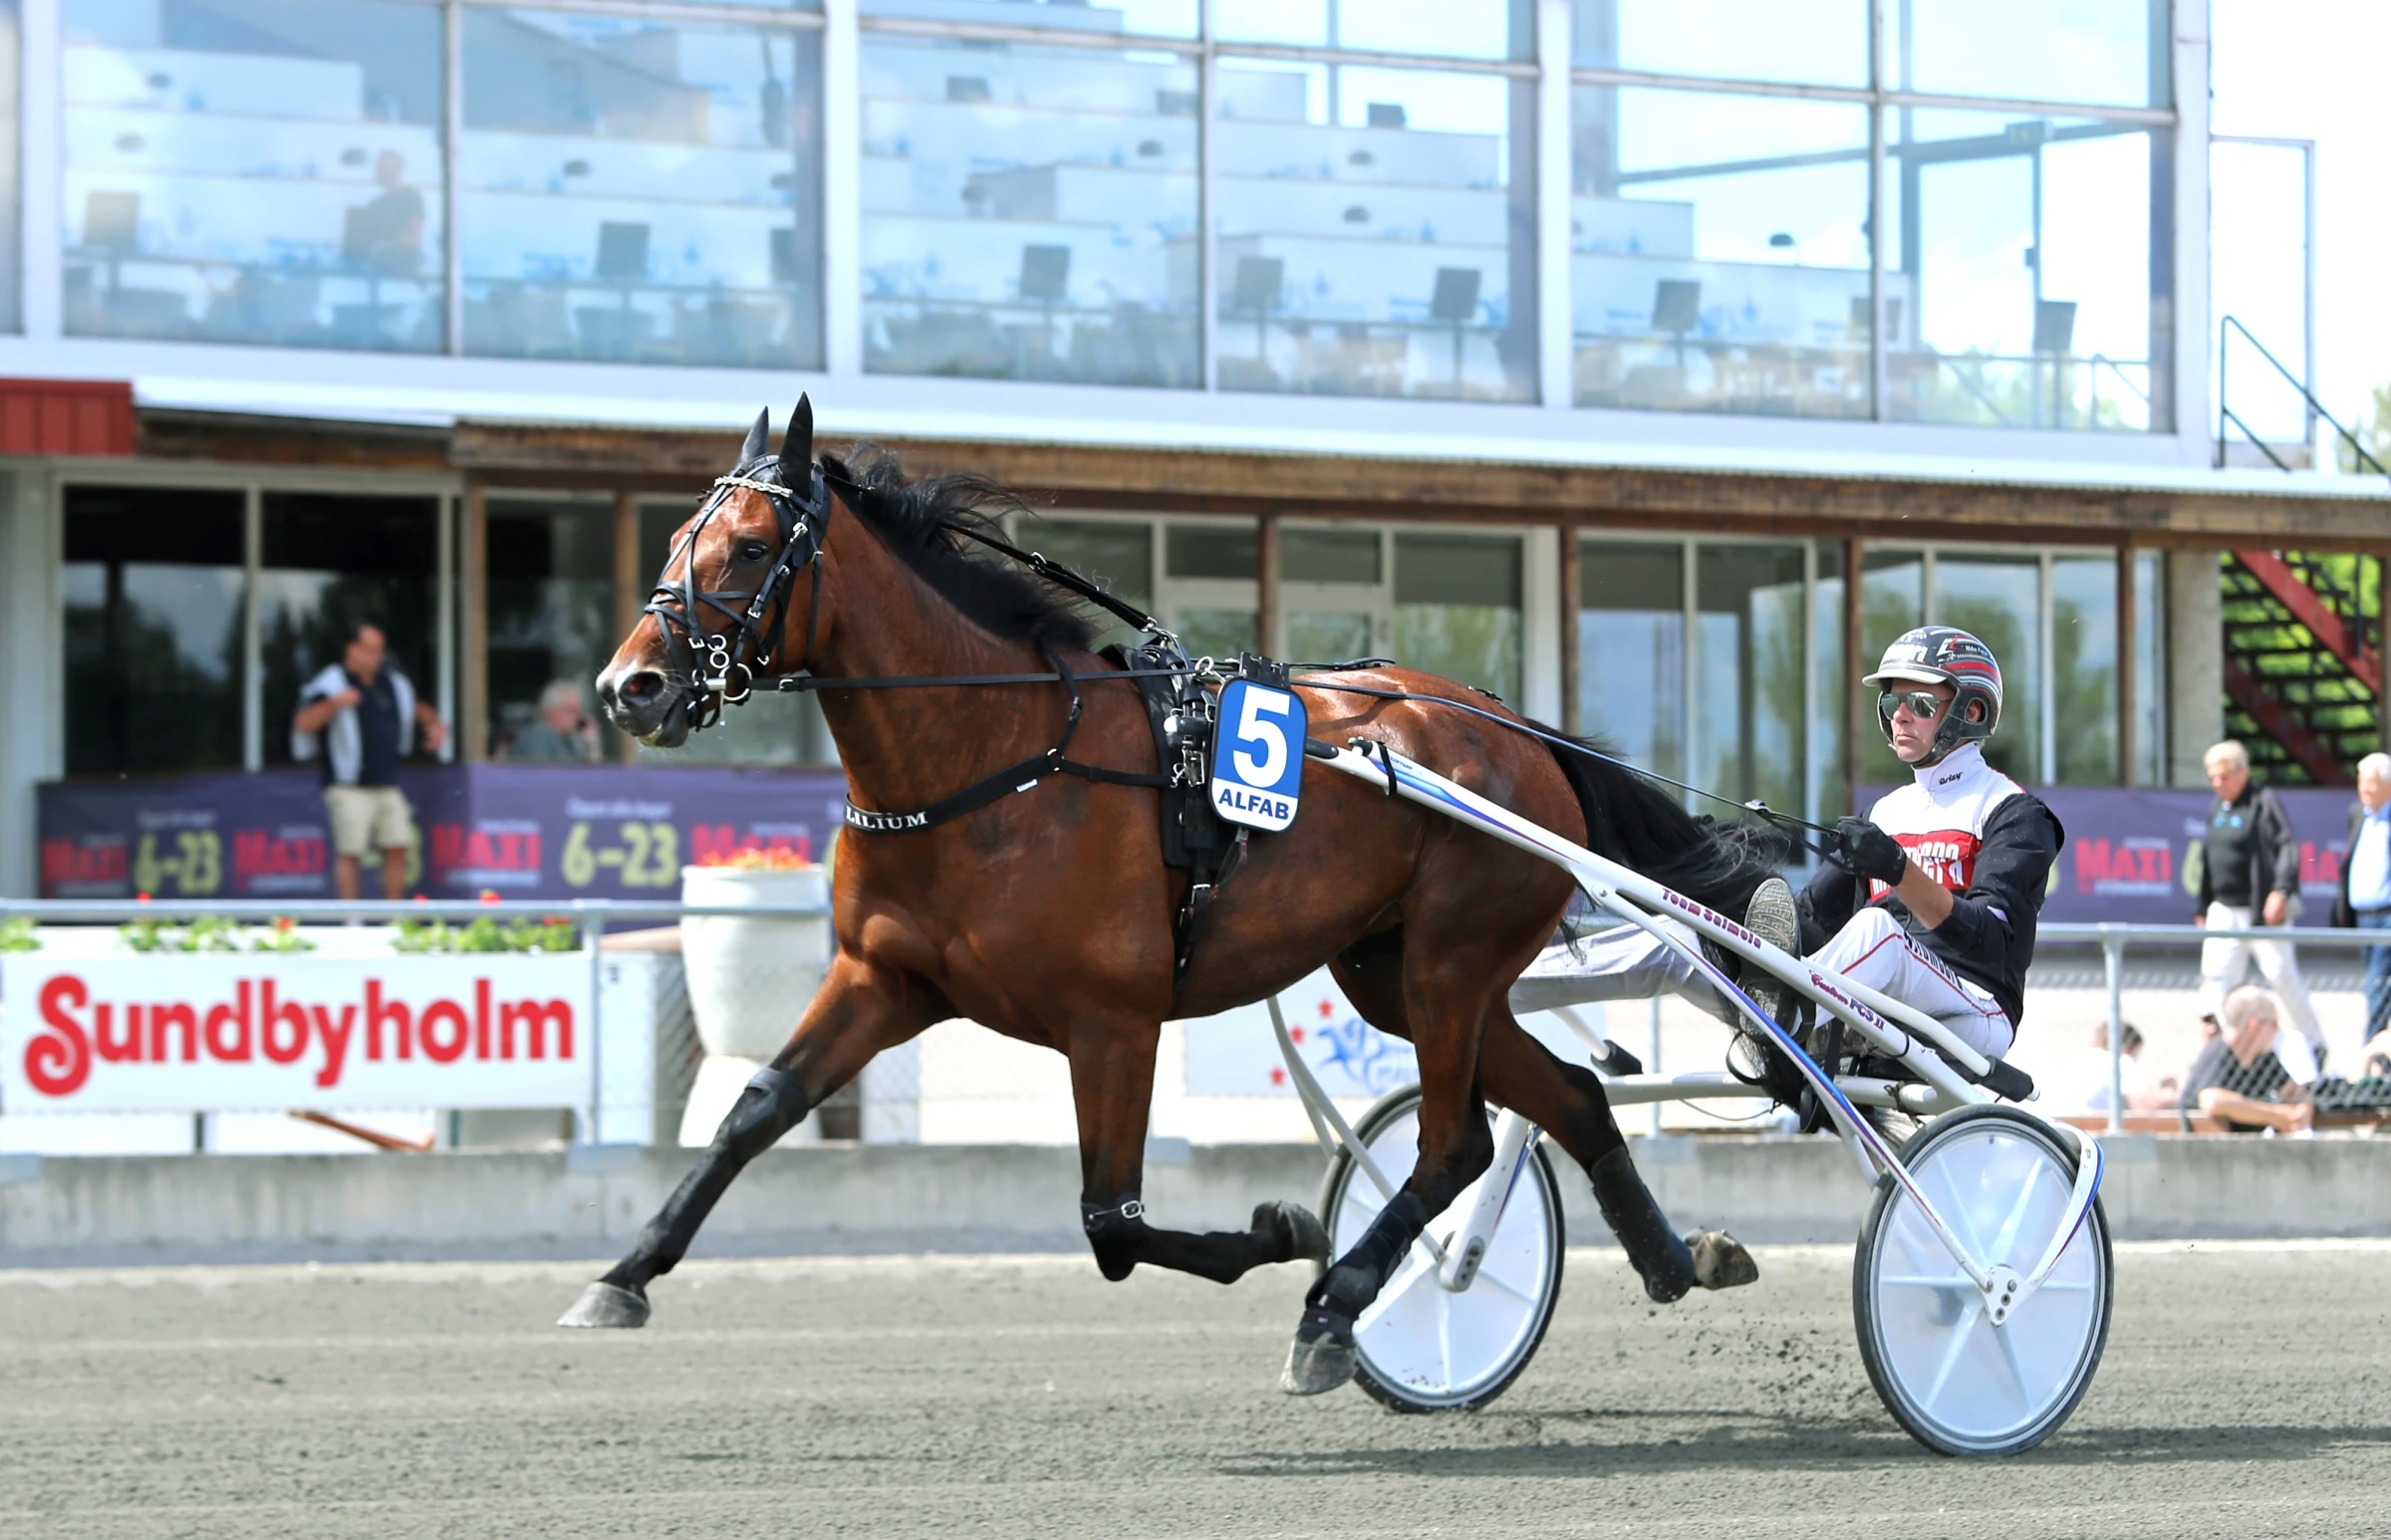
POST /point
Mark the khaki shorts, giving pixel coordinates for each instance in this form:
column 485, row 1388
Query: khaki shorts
column 366, row 818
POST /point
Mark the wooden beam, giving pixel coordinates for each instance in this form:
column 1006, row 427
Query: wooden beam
column 1573, row 588
column 630, row 593
column 473, row 626
column 1347, row 486
column 2128, row 655
column 1265, row 587
column 1859, row 715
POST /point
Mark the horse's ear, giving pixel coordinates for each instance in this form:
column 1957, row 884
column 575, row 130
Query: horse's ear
column 797, row 445
column 759, row 437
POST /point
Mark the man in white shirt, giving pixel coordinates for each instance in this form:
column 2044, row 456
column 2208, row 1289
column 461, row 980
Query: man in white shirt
column 2366, row 885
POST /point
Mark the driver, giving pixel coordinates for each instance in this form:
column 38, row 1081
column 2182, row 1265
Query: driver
column 1931, row 899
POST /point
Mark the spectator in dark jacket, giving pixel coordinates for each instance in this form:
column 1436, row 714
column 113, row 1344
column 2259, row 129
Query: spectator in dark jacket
column 2248, row 878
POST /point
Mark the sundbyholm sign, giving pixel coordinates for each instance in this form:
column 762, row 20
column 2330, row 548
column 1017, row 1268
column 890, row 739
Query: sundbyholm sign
column 200, row 1032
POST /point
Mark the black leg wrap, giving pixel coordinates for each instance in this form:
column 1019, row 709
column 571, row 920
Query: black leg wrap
column 1347, row 1289
column 1114, row 1234
column 1660, row 1258
column 771, row 1104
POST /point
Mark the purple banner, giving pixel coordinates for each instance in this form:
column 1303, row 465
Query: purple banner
column 2132, row 855
column 520, row 831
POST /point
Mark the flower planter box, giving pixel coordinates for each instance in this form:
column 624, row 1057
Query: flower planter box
column 750, row 980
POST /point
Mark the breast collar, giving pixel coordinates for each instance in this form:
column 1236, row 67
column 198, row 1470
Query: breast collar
column 734, row 658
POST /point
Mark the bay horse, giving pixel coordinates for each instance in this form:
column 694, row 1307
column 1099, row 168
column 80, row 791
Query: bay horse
column 1048, row 914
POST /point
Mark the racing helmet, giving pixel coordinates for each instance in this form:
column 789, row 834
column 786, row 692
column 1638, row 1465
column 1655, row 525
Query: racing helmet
column 1945, row 654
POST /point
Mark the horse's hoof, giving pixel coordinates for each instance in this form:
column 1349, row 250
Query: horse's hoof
column 1321, row 1357
column 1305, row 1236
column 1719, row 1260
column 607, row 1305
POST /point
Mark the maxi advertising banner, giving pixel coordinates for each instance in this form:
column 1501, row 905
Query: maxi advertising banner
column 520, row 831
column 171, row 1032
column 2133, row 854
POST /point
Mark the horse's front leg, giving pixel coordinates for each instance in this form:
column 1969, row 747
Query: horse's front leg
column 859, row 1011
column 1112, row 1090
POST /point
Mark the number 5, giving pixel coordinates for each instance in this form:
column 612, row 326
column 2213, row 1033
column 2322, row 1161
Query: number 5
column 1273, row 738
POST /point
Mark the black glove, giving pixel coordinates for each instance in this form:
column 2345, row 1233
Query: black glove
column 1863, row 850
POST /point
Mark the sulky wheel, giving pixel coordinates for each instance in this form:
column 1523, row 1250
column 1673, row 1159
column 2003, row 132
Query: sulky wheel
column 1424, row 1347
column 1962, row 1386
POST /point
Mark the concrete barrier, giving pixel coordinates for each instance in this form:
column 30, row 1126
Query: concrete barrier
column 590, row 1202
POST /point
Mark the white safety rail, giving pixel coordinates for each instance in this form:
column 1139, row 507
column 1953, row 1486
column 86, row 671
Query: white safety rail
column 2113, row 940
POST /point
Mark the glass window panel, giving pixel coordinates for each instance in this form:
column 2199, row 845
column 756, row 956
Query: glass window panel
column 551, row 598
column 1329, row 556
column 2019, row 273
column 1719, row 253
column 254, row 171
column 2150, row 680
column 1817, row 42
column 153, row 591
column 1029, row 213
column 1456, row 608
column 1747, row 673
column 1832, row 714
column 1455, row 29
column 1149, row 18
column 1631, row 649
column 640, row 191
column 2112, row 52
column 1215, row 632
column 1326, row 635
column 1213, row 551
column 1892, row 601
column 2000, row 601
column 1375, row 231
column 2083, row 669
column 2258, row 275
column 331, row 563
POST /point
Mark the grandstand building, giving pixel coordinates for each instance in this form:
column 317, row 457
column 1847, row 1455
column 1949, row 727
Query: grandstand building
column 1650, row 362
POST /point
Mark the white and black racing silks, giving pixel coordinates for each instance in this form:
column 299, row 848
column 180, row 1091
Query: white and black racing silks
column 1978, row 834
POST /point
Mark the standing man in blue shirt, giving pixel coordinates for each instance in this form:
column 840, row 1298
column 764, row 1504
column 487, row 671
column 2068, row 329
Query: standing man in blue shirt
column 2366, row 883
column 366, row 717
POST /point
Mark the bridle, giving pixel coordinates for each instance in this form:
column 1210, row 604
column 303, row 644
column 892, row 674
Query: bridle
column 721, row 668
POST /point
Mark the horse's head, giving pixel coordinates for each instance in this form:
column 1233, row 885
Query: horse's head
column 719, row 618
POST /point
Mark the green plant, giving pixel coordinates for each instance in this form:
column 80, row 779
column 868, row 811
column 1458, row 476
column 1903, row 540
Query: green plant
column 16, row 936
column 281, row 936
column 485, row 934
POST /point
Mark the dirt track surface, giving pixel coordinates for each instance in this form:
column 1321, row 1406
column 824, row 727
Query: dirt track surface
column 2247, row 1391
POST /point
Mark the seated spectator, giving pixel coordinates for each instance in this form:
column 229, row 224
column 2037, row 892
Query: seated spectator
column 2142, row 1094
column 2238, row 1077
column 563, row 731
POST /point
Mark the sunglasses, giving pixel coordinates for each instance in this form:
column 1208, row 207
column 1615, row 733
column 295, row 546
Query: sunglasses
column 1923, row 705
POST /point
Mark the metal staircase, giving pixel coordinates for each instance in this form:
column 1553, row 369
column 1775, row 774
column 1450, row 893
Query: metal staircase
column 2302, row 631
column 2303, row 665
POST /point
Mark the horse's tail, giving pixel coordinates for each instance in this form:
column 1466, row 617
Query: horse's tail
column 1639, row 823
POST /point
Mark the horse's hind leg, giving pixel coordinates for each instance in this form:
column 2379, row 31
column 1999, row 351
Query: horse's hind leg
column 1442, row 999
column 859, row 1012
column 1112, row 1089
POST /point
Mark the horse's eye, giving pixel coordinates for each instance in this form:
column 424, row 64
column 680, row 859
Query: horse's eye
column 754, row 551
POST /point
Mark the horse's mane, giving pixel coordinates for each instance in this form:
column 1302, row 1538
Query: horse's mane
column 918, row 520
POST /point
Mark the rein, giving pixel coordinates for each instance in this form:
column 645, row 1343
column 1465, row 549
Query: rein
column 804, row 522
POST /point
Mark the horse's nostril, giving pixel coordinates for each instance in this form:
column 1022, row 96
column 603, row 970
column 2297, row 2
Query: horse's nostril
column 640, row 687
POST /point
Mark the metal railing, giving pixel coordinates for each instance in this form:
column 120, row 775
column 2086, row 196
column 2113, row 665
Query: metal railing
column 2316, row 409
column 593, row 914
column 2112, row 939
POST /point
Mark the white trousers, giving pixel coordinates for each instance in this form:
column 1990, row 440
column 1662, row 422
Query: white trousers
column 1626, row 964
column 2223, row 963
